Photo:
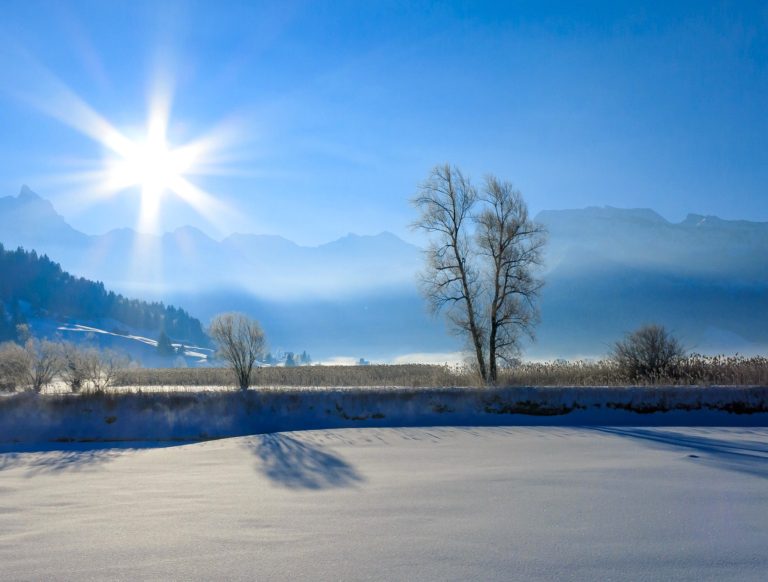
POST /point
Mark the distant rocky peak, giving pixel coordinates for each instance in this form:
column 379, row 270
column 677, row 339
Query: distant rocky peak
column 26, row 194
column 30, row 200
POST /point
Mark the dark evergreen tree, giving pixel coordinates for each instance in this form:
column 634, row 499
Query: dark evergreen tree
column 164, row 345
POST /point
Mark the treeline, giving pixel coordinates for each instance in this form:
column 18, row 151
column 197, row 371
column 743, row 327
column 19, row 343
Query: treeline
column 33, row 282
column 289, row 359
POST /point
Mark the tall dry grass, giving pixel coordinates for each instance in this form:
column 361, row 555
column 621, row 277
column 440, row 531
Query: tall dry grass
column 693, row 370
column 413, row 375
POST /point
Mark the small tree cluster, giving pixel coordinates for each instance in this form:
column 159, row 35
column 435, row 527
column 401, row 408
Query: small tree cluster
column 89, row 367
column 288, row 359
column 36, row 364
column 292, row 359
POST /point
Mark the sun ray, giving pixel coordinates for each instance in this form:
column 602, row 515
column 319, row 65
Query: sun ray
column 219, row 214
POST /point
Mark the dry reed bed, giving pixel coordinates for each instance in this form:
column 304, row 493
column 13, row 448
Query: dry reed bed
column 693, row 370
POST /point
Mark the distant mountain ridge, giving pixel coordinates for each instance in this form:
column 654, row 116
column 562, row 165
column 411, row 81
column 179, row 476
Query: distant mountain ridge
column 610, row 270
column 607, row 271
column 188, row 259
column 699, row 245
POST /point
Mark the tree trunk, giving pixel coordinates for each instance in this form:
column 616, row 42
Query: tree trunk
column 473, row 329
column 493, row 374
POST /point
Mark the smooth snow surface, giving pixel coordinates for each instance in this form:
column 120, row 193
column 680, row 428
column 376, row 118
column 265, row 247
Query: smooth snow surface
column 394, row 504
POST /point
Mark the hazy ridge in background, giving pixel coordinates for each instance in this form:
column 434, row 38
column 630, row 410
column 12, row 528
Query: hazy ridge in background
column 607, row 270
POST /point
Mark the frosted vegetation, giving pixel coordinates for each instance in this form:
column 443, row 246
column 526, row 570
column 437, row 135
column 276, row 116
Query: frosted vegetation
column 173, row 415
column 691, row 370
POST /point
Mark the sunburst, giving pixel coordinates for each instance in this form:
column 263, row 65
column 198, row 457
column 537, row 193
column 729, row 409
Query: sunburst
column 147, row 163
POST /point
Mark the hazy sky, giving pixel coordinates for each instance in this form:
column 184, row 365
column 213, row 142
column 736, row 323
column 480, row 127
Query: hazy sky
column 328, row 114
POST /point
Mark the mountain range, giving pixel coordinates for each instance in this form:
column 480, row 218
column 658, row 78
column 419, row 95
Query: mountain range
column 188, row 260
column 607, row 270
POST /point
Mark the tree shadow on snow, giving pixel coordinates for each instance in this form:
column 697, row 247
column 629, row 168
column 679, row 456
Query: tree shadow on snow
column 742, row 455
column 297, row 464
column 64, row 457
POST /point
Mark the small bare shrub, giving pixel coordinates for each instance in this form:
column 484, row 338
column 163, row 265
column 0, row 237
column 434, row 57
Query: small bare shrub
column 648, row 354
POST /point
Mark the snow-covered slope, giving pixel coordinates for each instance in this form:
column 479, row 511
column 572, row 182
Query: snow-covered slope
column 139, row 345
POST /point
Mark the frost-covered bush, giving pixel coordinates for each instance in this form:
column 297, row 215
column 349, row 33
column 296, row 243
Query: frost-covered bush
column 15, row 365
column 103, row 368
column 648, row 354
column 46, row 362
column 74, row 369
column 84, row 367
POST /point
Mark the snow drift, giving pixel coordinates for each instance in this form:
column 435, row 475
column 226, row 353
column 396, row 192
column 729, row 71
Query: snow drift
column 29, row 417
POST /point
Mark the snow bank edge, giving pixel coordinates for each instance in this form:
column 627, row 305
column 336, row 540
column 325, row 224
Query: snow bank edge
column 181, row 416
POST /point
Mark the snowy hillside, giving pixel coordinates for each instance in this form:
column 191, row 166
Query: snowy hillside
column 139, row 345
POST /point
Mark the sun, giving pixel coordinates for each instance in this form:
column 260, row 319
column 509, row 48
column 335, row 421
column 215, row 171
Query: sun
column 146, row 163
column 151, row 164
column 154, row 168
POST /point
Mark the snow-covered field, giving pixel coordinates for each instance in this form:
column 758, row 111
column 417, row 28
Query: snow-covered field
column 393, row 504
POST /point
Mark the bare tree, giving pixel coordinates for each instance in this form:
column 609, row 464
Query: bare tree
column 648, row 353
column 451, row 279
column 481, row 262
column 512, row 243
column 240, row 341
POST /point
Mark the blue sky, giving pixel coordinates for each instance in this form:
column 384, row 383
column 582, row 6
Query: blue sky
column 334, row 111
